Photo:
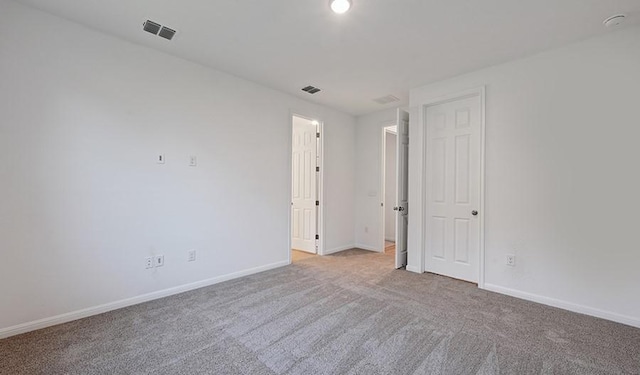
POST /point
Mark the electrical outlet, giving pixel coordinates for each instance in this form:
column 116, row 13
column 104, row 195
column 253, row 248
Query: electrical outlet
column 158, row 261
column 511, row 260
column 148, row 262
column 192, row 256
column 160, row 159
column 193, row 161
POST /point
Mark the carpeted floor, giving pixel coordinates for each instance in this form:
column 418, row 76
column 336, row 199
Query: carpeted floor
column 349, row 313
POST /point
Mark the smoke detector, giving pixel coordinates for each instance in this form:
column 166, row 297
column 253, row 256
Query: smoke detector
column 614, row 21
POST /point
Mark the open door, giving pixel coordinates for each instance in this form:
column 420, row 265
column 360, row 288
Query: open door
column 402, row 191
column 304, row 198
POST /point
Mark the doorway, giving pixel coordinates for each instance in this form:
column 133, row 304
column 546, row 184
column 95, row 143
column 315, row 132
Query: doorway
column 306, row 187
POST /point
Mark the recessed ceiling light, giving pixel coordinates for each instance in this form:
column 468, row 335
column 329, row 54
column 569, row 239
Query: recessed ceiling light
column 614, row 20
column 340, row 6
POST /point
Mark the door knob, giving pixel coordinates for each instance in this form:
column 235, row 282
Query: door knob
column 395, row 208
column 474, row 213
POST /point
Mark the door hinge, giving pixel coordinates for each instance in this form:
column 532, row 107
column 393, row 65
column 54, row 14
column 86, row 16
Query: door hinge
column 317, row 135
column 317, row 236
column 317, row 203
column 317, row 169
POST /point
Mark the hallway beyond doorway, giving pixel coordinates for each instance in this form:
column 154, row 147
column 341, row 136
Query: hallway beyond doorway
column 298, row 255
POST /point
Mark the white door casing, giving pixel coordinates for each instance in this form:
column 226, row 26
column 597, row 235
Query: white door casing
column 303, row 203
column 453, row 188
column 402, row 187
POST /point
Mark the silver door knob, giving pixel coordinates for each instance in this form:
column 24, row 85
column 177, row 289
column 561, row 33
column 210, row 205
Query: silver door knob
column 395, row 208
column 474, row 213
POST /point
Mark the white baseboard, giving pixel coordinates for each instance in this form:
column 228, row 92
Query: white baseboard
column 367, row 247
column 338, row 249
column 390, row 239
column 413, row 269
column 628, row 320
column 75, row 315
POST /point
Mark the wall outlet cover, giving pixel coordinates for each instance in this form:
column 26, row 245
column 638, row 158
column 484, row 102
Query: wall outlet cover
column 158, row 260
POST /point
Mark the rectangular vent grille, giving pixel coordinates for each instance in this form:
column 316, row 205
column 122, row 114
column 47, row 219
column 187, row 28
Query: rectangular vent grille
column 387, row 99
column 311, row 89
column 167, row 33
column 159, row 30
column 151, row 27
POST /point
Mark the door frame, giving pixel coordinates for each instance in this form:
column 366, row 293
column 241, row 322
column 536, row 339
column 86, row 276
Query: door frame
column 480, row 91
column 319, row 182
column 386, row 129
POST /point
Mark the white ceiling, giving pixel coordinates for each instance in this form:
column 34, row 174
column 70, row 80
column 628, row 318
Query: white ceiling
column 380, row 47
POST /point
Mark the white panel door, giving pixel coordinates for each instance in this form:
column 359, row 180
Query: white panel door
column 402, row 188
column 303, row 205
column 452, row 224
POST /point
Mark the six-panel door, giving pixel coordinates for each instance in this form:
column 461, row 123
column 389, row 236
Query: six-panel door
column 452, row 231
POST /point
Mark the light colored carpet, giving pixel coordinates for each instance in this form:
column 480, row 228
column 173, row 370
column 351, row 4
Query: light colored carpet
column 350, row 313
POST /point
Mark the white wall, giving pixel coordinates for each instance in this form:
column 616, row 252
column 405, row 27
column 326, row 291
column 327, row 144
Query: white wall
column 369, row 178
column 82, row 117
column 562, row 179
column 390, row 187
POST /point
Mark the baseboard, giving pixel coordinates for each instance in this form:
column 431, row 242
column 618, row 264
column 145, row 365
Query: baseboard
column 635, row 322
column 338, row 249
column 413, row 269
column 391, row 239
column 84, row 313
column 367, row 247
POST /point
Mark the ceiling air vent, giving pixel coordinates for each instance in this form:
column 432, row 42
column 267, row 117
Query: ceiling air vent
column 151, row 27
column 311, row 89
column 387, row 99
column 167, row 33
column 159, row 30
